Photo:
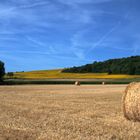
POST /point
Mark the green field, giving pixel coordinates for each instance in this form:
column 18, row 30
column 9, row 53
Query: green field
column 57, row 74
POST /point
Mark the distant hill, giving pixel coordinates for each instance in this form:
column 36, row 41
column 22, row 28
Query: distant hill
column 129, row 65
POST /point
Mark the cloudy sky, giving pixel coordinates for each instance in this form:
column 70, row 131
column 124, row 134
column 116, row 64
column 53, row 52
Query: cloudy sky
column 47, row 34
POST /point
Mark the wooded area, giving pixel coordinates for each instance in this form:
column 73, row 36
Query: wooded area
column 129, row 65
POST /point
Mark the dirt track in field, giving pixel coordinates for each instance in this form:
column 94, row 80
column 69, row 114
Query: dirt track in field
column 64, row 112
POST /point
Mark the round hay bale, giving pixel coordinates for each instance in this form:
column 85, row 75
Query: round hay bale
column 103, row 83
column 131, row 102
column 77, row 83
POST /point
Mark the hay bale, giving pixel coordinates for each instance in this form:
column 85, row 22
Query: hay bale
column 103, row 83
column 77, row 83
column 131, row 102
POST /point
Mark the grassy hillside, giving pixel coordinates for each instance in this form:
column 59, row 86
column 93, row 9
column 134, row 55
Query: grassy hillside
column 57, row 74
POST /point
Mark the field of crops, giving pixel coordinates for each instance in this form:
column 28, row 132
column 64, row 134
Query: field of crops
column 64, row 112
column 56, row 74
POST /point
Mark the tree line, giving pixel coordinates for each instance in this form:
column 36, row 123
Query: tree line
column 129, row 65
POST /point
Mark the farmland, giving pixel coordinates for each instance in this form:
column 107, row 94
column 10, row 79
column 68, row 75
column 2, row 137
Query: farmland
column 57, row 77
column 52, row 112
column 57, row 74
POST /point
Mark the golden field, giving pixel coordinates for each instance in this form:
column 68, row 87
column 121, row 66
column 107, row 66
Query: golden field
column 56, row 74
column 64, row 112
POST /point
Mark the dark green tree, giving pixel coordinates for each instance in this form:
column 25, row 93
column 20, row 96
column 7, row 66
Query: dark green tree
column 2, row 70
column 129, row 65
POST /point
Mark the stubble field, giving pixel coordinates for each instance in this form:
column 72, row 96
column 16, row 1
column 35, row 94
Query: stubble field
column 64, row 112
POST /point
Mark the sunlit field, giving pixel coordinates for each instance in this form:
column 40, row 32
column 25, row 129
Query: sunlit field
column 57, row 74
column 64, row 112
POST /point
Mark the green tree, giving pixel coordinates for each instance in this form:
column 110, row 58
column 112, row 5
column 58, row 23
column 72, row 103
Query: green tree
column 129, row 65
column 2, row 70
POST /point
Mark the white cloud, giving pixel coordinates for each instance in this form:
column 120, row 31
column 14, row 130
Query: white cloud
column 136, row 46
column 32, row 5
column 104, row 37
column 82, row 45
column 36, row 42
column 41, row 45
column 73, row 2
column 8, row 38
column 79, row 44
column 35, row 15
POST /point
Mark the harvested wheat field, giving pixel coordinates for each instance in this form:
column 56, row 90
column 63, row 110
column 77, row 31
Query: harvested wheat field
column 64, row 112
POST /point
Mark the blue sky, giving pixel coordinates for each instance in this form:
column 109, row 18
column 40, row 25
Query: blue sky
column 48, row 34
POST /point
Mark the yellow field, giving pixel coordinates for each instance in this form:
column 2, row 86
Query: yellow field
column 64, row 112
column 56, row 74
